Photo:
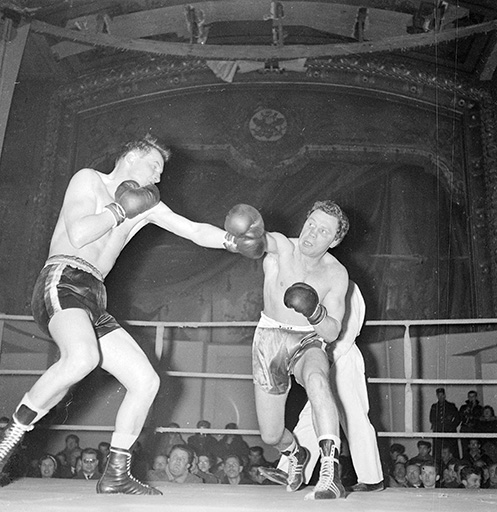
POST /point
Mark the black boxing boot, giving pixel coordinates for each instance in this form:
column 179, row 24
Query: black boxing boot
column 12, row 436
column 117, row 477
column 297, row 461
column 329, row 486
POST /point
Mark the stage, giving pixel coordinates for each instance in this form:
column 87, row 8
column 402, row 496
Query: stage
column 54, row 495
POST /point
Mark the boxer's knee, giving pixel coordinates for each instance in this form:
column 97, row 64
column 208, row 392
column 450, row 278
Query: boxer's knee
column 79, row 365
column 271, row 438
column 147, row 384
column 316, row 383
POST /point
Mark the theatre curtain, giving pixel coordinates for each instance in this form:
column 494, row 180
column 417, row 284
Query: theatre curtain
column 407, row 247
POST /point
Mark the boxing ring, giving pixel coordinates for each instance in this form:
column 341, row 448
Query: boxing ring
column 33, row 494
column 59, row 495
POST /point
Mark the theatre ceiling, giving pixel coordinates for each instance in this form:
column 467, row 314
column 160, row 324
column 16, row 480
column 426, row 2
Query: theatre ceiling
column 69, row 38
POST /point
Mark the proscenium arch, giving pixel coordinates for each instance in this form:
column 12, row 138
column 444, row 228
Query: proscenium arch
column 168, row 79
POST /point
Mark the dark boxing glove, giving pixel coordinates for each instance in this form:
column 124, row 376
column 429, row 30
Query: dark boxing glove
column 253, row 248
column 131, row 200
column 244, row 219
column 245, row 232
column 304, row 299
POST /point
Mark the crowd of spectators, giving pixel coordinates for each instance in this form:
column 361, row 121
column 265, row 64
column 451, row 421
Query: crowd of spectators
column 474, row 470
column 201, row 458
column 449, row 462
column 205, row 458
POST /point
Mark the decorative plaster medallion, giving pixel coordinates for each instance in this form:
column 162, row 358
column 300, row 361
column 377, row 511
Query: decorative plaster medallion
column 268, row 125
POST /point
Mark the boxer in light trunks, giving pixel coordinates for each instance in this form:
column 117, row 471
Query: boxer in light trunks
column 348, row 384
column 99, row 216
column 304, row 304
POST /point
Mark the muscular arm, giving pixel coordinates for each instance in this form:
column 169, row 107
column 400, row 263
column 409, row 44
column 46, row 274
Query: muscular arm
column 82, row 224
column 200, row 233
column 334, row 302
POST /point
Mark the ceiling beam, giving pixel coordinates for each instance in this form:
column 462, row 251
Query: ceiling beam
column 491, row 61
column 262, row 53
column 489, row 10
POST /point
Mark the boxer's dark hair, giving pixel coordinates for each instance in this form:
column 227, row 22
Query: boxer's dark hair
column 145, row 144
column 331, row 208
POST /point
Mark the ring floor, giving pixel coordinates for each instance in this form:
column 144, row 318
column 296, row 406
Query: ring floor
column 59, row 495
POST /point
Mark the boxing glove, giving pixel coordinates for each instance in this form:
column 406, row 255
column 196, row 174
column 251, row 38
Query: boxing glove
column 131, row 200
column 245, row 231
column 304, row 299
column 253, row 248
column 244, row 220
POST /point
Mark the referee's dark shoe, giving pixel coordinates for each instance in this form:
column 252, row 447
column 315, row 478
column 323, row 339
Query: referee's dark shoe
column 362, row 487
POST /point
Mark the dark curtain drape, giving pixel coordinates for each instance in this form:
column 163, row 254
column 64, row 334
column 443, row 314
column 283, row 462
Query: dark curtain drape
column 407, row 247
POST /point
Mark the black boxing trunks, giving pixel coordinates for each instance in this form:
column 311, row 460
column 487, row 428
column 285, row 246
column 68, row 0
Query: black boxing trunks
column 276, row 349
column 67, row 282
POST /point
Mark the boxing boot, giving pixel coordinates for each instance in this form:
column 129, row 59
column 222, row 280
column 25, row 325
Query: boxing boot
column 329, row 486
column 275, row 475
column 14, row 432
column 117, row 478
column 297, row 461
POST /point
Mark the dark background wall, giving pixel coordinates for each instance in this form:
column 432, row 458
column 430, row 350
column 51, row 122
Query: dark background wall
column 398, row 162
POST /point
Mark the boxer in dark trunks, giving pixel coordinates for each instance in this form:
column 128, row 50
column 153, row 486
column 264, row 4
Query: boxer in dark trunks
column 99, row 216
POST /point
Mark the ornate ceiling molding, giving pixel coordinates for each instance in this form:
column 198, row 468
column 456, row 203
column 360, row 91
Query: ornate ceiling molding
column 257, row 52
column 383, row 77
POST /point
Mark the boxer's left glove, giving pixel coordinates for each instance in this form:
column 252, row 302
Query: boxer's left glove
column 304, row 299
column 245, row 231
column 131, row 200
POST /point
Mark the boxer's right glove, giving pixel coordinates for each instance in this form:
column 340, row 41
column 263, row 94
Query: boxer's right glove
column 131, row 200
column 245, row 231
column 304, row 299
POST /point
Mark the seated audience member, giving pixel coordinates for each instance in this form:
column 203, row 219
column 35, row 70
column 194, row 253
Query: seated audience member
column 449, row 477
column 413, row 473
column 103, row 455
column 64, row 469
column 485, row 474
column 203, row 442
column 256, row 456
column 166, row 440
column 395, row 450
column 487, row 423
column 458, row 467
column 204, row 465
column 398, row 476
column 429, row 475
column 178, row 465
column 158, row 471
column 424, row 453
column 492, row 476
column 48, row 466
column 446, row 456
column 89, row 465
column 475, row 453
column 471, row 477
column 75, row 461
column 232, row 443
column 71, row 448
column 233, row 471
column 33, row 470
